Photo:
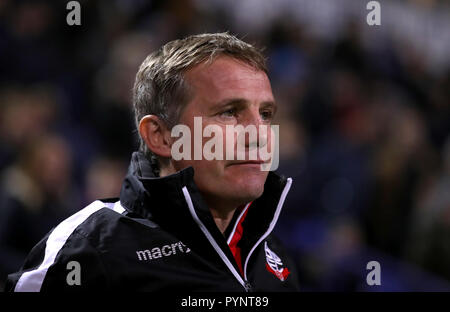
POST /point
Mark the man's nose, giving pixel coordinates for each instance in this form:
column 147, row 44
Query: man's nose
column 253, row 119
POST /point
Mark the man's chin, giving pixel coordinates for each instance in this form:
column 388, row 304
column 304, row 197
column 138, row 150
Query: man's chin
column 250, row 186
column 247, row 194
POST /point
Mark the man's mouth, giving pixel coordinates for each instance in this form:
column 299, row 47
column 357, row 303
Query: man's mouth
column 256, row 163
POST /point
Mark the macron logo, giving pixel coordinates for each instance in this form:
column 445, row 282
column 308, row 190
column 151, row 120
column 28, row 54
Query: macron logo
column 164, row 251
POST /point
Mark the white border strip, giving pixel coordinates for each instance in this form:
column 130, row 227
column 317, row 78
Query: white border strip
column 31, row 281
column 272, row 224
column 118, row 207
column 210, row 238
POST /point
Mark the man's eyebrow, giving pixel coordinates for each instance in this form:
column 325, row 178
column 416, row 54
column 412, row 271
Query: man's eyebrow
column 241, row 102
column 271, row 104
column 232, row 101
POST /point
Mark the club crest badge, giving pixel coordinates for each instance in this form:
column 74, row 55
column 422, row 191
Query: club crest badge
column 274, row 264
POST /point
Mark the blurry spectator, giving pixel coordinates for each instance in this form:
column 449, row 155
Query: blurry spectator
column 111, row 113
column 401, row 161
column 104, row 179
column 24, row 114
column 35, row 195
column 429, row 241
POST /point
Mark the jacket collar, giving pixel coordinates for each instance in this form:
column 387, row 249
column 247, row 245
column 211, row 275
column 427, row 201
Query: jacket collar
column 159, row 198
column 162, row 200
column 150, row 196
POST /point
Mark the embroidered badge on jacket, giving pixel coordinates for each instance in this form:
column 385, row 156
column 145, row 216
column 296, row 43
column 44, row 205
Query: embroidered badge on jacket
column 274, row 264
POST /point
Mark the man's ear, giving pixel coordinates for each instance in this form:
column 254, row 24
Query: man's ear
column 156, row 135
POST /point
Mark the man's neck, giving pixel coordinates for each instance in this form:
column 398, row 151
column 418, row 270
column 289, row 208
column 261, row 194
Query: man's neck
column 222, row 219
column 222, row 213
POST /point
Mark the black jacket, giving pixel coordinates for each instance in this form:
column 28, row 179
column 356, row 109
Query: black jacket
column 161, row 236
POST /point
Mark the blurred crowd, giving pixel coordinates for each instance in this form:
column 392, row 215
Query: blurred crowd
column 364, row 129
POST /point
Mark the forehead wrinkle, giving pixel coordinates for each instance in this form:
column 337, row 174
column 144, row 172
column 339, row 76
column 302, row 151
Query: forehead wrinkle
column 218, row 82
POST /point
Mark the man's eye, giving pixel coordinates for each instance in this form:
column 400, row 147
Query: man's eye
column 267, row 115
column 229, row 113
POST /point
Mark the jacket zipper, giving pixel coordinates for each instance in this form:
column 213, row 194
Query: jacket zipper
column 243, row 281
column 272, row 224
column 248, row 286
column 212, row 240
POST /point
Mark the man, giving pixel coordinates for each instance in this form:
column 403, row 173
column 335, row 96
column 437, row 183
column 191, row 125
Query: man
column 181, row 224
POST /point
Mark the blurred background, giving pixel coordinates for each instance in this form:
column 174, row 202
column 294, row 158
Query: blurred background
column 364, row 124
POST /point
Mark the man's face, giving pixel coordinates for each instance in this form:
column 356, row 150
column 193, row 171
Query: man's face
column 228, row 92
